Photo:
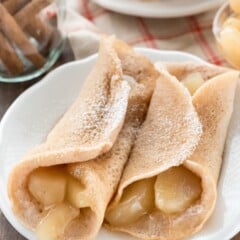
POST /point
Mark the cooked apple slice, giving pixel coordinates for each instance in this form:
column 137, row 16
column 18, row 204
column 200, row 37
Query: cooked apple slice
column 232, row 22
column 75, row 193
column 192, row 82
column 137, row 200
column 53, row 225
column 229, row 44
column 235, row 5
column 48, row 185
column 176, row 190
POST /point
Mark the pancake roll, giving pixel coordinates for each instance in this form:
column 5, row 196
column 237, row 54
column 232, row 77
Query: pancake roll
column 62, row 187
column 169, row 186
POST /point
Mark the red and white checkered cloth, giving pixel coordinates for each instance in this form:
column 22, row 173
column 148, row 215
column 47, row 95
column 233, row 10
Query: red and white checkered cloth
column 192, row 34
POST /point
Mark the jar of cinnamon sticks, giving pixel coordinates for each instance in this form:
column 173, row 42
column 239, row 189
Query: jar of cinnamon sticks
column 30, row 38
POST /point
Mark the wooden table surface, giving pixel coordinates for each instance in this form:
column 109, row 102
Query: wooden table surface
column 8, row 93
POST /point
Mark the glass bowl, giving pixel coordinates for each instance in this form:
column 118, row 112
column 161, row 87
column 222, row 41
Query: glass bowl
column 31, row 38
column 228, row 42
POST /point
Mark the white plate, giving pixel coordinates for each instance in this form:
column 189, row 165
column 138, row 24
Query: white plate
column 30, row 118
column 159, row 8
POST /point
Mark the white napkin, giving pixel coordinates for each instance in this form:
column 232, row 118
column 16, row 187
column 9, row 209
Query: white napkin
column 83, row 36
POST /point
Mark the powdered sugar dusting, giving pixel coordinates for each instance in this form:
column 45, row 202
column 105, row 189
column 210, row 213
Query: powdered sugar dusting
column 169, row 135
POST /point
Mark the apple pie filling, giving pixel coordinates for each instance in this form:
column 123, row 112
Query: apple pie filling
column 171, row 192
column 61, row 195
column 192, row 82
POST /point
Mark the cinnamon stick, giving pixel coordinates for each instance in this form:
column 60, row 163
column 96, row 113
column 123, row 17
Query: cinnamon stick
column 14, row 6
column 36, row 28
column 39, row 30
column 30, row 10
column 9, row 57
column 14, row 33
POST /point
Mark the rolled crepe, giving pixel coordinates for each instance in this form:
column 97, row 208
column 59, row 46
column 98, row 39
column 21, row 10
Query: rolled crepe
column 55, row 190
column 168, row 190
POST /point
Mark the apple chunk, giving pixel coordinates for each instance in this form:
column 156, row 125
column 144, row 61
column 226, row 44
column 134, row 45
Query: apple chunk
column 192, row 82
column 48, row 185
column 176, row 190
column 229, row 44
column 53, row 225
column 137, row 200
column 75, row 193
column 235, row 5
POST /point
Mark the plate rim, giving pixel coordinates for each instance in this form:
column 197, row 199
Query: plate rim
column 12, row 220
column 116, row 6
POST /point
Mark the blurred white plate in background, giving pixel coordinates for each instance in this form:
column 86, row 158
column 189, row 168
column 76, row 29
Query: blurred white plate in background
column 160, row 8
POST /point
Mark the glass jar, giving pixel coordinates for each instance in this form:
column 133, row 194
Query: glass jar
column 30, row 37
column 226, row 29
